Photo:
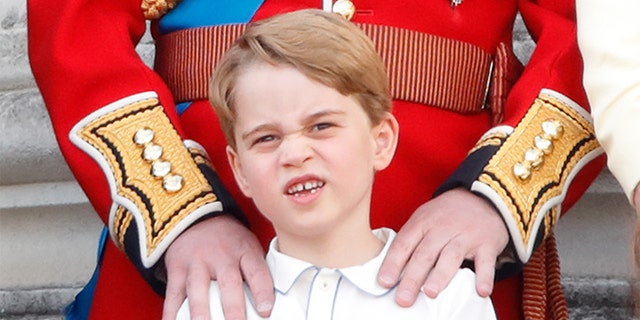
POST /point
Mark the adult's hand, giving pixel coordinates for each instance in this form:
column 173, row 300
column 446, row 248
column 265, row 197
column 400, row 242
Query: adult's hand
column 432, row 245
column 219, row 249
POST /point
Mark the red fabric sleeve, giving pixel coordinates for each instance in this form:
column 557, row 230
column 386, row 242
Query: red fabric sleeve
column 76, row 53
column 556, row 64
column 100, row 94
column 549, row 89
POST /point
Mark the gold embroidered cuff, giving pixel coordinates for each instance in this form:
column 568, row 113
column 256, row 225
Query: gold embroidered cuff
column 153, row 178
column 528, row 177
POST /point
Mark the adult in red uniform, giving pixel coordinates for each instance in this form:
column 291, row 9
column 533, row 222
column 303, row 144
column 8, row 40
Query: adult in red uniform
column 490, row 154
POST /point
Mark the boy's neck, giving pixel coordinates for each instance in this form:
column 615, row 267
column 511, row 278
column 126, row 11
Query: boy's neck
column 337, row 249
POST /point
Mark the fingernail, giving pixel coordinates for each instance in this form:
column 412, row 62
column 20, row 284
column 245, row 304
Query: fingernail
column 264, row 306
column 430, row 291
column 484, row 290
column 404, row 295
column 386, row 280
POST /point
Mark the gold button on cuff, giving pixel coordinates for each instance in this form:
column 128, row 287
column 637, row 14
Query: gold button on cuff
column 543, row 144
column 143, row 136
column 152, row 152
column 172, row 183
column 553, row 128
column 160, row 168
column 535, row 157
column 522, row 170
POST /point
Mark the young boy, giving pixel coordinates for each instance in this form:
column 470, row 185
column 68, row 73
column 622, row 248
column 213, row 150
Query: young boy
column 304, row 104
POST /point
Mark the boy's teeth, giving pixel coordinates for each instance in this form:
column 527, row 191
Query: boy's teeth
column 311, row 186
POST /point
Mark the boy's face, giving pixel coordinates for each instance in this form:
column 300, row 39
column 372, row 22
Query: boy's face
column 305, row 153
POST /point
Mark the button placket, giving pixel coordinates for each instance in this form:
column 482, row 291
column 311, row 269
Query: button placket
column 322, row 295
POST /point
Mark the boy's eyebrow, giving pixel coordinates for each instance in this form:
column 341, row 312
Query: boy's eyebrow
column 256, row 129
column 308, row 119
column 323, row 113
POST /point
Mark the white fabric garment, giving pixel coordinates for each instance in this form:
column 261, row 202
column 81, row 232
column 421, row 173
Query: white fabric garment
column 609, row 40
column 304, row 291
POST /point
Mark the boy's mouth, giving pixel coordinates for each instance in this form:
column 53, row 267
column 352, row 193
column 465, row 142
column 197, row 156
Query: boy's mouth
column 304, row 187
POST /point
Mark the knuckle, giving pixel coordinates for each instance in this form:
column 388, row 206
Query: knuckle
column 229, row 280
column 402, row 244
column 412, row 284
column 257, row 273
column 457, row 251
column 426, row 256
column 173, row 293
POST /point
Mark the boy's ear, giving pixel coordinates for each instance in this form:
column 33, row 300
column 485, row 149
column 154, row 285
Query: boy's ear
column 386, row 138
column 234, row 161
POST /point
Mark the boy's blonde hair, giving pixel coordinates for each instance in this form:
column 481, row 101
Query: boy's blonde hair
column 323, row 46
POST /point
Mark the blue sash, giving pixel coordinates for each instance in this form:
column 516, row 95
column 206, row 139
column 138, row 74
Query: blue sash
column 79, row 308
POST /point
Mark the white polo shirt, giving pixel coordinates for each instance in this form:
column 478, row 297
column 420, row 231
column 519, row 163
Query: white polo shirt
column 304, row 291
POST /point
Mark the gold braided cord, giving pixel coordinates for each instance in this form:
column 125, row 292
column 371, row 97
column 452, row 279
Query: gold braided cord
column 557, row 303
column 543, row 297
column 534, row 297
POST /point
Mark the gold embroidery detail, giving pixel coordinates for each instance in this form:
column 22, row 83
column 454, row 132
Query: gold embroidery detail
column 160, row 211
column 493, row 139
column 122, row 220
column 200, row 157
column 550, row 220
column 525, row 197
column 155, row 9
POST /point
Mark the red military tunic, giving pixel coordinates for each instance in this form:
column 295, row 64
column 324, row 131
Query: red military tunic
column 83, row 58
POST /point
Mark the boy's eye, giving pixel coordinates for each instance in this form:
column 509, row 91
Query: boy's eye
column 264, row 139
column 321, row 126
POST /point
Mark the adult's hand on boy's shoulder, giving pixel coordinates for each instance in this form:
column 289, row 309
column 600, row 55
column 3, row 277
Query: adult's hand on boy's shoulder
column 433, row 243
column 219, row 249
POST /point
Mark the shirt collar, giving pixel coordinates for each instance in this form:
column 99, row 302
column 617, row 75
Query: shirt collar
column 286, row 270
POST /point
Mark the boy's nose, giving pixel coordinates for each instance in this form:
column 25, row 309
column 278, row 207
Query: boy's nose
column 295, row 151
